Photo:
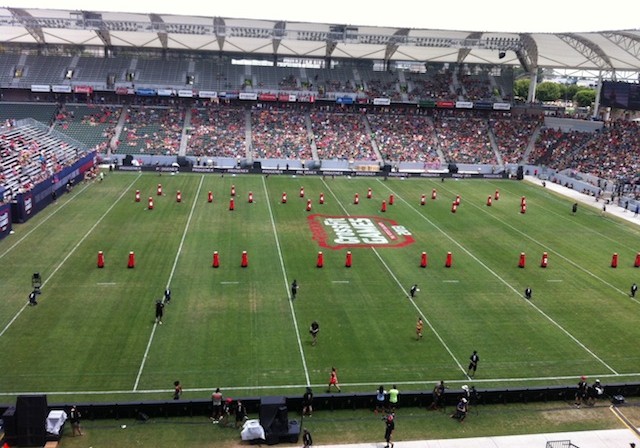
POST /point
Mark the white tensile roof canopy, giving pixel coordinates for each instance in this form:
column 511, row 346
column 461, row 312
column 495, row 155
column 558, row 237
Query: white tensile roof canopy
column 600, row 51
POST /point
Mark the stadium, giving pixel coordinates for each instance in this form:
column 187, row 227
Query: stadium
column 225, row 160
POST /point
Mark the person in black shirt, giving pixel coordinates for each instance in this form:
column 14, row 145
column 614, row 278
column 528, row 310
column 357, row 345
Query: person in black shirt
column 167, row 295
column 528, row 293
column 314, row 330
column 294, row 289
column 413, row 290
column 438, row 395
column 177, row 390
column 581, row 391
column 634, row 290
column 574, row 208
column 306, row 438
column 74, row 418
column 159, row 311
column 473, row 363
column 461, row 410
column 32, row 298
column 307, row 402
column 390, row 426
column 241, row 414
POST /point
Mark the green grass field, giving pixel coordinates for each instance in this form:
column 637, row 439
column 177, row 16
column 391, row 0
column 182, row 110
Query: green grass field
column 93, row 338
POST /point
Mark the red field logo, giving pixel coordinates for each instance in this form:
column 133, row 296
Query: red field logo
column 340, row 232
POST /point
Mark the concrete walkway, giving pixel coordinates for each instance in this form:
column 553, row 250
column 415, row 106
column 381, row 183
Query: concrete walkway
column 612, row 438
column 612, row 209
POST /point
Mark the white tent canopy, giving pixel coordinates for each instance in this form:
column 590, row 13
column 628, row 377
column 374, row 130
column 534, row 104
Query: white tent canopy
column 601, row 51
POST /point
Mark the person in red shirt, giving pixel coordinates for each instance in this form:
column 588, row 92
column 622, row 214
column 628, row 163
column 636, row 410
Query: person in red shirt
column 333, row 380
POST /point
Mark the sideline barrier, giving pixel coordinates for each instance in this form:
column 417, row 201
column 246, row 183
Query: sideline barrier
column 333, row 401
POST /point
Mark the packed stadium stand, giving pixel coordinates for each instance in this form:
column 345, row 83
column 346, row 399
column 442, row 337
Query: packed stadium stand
column 366, row 112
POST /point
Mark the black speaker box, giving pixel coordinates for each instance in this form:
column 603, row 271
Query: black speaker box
column 10, row 426
column 257, row 165
column 520, row 173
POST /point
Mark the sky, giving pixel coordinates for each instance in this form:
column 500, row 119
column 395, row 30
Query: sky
column 545, row 16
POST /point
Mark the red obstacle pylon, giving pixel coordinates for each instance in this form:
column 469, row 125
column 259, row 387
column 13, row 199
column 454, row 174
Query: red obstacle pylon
column 523, row 208
column 496, row 196
column 523, row 200
column 232, row 204
column 150, row 206
column 369, row 193
column 348, row 260
column 449, row 261
column 178, row 196
column 132, row 260
column 308, row 205
column 250, row 198
column 137, row 195
column 458, row 199
column 356, row 199
column 284, row 198
column 434, row 194
column 159, row 190
column 216, row 260
column 489, row 201
column 423, row 199
column 210, row 197
column 384, row 206
column 637, row 262
column 545, row 260
column 521, row 263
column 245, row 259
column 391, row 198
column 301, row 192
column 454, row 207
column 100, row 259
column 233, row 190
column 423, row 260
column 320, row 261
column 614, row 261
column 321, row 198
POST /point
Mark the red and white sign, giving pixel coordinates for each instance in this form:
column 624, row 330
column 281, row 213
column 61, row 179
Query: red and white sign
column 340, row 232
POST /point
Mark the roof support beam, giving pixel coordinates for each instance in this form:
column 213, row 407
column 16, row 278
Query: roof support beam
column 588, row 49
column 162, row 29
column 27, row 21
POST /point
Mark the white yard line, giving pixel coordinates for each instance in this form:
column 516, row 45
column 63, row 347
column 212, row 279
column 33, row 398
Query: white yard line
column 503, row 281
column 419, row 385
column 44, row 220
column 173, row 270
column 4, row 330
column 286, row 284
column 422, row 314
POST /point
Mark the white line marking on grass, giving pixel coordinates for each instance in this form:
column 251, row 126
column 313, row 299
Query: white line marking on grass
column 555, row 281
column 106, row 284
column 419, row 383
column 450, row 281
column 286, row 284
column 4, row 330
column 58, row 208
column 340, row 281
column 568, row 260
column 229, row 283
column 173, row 270
column 503, row 281
column 422, row 314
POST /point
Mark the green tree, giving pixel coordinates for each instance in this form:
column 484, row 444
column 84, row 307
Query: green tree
column 548, row 91
column 521, row 88
column 584, row 97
